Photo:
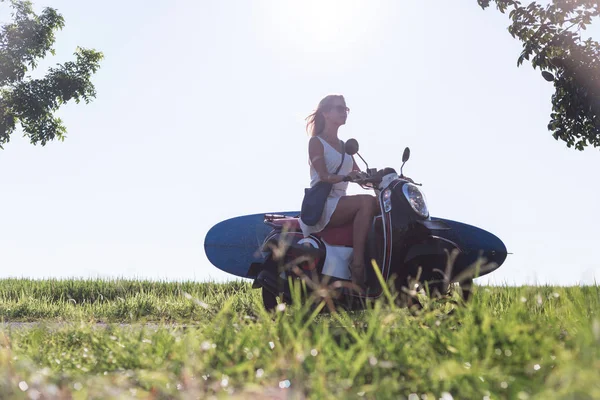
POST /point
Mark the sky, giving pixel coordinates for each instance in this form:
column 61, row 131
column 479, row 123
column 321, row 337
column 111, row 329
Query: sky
column 200, row 114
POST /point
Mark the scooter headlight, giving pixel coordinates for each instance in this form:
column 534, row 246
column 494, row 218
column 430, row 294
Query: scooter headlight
column 387, row 200
column 416, row 199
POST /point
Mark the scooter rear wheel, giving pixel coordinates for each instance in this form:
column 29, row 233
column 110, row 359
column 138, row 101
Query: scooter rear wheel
column 269, row 299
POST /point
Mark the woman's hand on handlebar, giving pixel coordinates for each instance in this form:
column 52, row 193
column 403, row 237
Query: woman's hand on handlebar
column 353, row 175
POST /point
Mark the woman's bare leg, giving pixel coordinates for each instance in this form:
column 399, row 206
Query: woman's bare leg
column 359, row 210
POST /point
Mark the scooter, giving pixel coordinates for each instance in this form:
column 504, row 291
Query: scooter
column 405, row 246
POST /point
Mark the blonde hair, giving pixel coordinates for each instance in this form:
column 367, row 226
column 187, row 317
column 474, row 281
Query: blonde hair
column 315, row 122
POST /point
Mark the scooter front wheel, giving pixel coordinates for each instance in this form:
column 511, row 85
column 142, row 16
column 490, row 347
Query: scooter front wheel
column 466, row 288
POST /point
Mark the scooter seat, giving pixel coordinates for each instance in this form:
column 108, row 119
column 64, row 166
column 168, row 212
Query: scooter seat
column 338, row 236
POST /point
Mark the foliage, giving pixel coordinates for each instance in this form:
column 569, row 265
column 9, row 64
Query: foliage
column 552, row 41
column 33, row 102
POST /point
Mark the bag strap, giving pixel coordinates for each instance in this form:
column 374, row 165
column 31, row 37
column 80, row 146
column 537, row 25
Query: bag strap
column 343, row 155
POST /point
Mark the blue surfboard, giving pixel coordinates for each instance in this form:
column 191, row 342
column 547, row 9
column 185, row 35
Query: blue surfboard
column 474, row 242
column 233, row 245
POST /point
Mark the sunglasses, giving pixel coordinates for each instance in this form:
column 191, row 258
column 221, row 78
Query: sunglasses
column 341, row 109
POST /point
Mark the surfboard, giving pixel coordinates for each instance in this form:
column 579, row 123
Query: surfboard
column 233, row 245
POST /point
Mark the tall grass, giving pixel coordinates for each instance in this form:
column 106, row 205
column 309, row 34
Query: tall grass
column 118, row 300
column 507, row 343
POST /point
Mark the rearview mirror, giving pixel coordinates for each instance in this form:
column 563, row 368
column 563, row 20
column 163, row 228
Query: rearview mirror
column 405, row 155
column 352, row 147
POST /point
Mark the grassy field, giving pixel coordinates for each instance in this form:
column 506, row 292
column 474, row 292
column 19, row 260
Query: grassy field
column 136, row 339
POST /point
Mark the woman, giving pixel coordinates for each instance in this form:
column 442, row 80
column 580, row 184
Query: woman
column 325, row 154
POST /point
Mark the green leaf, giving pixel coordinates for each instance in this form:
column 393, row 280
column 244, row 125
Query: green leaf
column 32, row 102
column 548, row 76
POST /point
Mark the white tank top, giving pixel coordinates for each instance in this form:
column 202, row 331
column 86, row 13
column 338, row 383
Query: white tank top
column 332, row 162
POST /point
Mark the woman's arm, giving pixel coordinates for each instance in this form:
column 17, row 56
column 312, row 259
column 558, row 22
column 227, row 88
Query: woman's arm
column 317, row 159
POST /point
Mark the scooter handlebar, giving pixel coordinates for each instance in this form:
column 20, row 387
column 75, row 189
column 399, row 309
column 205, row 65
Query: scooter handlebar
column 362, row 181
column 374, row 180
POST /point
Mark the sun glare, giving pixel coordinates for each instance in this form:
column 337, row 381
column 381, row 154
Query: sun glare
column 316, row 26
